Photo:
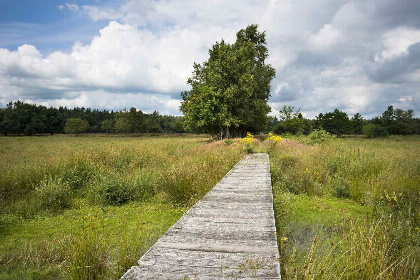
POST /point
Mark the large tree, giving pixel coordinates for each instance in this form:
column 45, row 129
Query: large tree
column 292, row 122
column 230, row 91
column 336, row 122
column 76, row 125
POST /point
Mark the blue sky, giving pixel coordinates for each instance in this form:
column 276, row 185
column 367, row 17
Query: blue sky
column 354, row 55
column 43, row 24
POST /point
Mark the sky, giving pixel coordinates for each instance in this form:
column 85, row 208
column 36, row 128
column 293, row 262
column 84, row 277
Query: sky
column 358, row 56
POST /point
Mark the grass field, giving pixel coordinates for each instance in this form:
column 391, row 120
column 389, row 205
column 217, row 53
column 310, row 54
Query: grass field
column 88, row 206
column 348, row 209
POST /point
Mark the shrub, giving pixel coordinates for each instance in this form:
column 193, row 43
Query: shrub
column 78, row 173
column 228, row 142
column 53, row 193
column 342, row 188
column 317, row 136
column 373, row 130
column 76, row 125
column 115, row 191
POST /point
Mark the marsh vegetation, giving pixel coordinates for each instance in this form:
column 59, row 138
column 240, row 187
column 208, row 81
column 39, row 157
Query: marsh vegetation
column 348, row 208
column 88, row 206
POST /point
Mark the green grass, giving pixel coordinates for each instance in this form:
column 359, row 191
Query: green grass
column 88, row 206
column 348, row 208
column 44, row 246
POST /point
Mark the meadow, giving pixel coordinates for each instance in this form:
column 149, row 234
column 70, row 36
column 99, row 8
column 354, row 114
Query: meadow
column 348, row 208
column 88, row 206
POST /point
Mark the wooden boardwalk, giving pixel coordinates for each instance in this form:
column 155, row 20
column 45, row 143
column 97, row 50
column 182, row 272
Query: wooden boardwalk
column 229, row 234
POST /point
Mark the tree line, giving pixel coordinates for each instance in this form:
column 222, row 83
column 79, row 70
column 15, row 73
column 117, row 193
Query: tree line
column 30, row 119
column 390, row 122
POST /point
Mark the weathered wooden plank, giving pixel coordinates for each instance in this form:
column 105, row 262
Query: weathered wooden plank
column 229, row 234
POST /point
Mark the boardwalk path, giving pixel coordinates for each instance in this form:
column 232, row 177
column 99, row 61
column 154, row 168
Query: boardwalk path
column 229, row 234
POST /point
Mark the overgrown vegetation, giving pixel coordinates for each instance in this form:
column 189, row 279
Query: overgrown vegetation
column 348, row 208
column 87, row 207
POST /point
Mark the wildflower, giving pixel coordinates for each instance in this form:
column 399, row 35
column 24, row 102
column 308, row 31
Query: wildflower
column 274, row 140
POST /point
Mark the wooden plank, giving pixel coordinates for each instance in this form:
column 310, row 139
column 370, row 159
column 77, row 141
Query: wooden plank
column 229, row 234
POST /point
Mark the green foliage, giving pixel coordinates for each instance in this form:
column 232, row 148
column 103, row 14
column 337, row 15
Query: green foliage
column 107, row 126
column 122, row 125
column 76, row 125
column 317, row 136
column 78, row 172
column 87, row 256
column 374, row 130
column 19, row 117
column 295, row 126
column 292, row 122
column 271, row 123
column 230, row 91
column 120, row 195
column 116, row 190
column 336, row 122
column 356, row 123
column 349, row 209
column 53, row 193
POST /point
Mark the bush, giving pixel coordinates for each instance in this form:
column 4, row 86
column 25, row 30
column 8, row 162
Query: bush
column 116, row 191
column 76, row 125
column 53, row 193
column 295, row 126
column 342, row 188
column 373, row 130
column 78, row 173
column 317, row 136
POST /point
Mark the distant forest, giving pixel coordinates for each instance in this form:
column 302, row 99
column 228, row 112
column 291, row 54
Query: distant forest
column 30, row 119
column 390, row 122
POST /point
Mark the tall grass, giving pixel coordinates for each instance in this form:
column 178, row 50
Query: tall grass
column 72, row 198
column 381, row 175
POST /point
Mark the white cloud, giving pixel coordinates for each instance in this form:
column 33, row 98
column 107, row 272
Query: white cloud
column 397, row 41
column 97, row 13
column 323, row 52
column 72, row 7
column 327, row 37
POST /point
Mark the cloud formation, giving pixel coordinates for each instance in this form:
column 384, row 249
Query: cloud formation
column 354, row 55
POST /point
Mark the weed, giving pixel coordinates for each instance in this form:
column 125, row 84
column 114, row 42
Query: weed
column 53, row 193
column 348, row 210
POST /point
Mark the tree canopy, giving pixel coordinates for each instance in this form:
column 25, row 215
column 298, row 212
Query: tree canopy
column 292, row 122
column 336, row 122
column 76, row 125
column 230, row 91
column 30, row 119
